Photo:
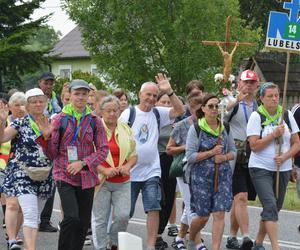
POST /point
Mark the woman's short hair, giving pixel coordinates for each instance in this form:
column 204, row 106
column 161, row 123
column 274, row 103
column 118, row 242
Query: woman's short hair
column 100, row 94
column 266, row 85
column 17, row 97
column 108, row 99
column 205, row 99
column 119, row 93
column 194, row 84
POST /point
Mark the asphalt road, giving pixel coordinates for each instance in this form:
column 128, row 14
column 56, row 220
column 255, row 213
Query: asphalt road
column 288, row 234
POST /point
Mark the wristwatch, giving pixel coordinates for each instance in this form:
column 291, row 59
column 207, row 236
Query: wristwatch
column 84, row 165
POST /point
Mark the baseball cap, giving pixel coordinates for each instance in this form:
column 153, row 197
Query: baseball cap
column 248, row 75
column 79, row 84
column 33, row 92
column 47, row 76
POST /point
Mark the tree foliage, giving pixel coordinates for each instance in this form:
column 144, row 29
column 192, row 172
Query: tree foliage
column 131, row 41
column 16, row 29
column 87, row 76
column 256, row 13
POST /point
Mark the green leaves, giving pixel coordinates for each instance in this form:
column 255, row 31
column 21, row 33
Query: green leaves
column 131, row 41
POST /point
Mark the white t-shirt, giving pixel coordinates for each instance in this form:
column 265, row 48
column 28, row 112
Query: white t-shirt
column 146, row 136
column 265, row 158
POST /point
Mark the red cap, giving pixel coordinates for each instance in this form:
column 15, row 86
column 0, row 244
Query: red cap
column 248, row 75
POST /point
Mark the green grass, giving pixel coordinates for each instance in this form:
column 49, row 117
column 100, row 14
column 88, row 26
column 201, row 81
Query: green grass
column 291, row 201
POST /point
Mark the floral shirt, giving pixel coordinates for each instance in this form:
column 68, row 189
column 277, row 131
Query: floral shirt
column 27, row 152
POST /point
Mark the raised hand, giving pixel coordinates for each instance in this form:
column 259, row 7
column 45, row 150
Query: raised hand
column 3, row 112
column 163, row 83
column 44, row 125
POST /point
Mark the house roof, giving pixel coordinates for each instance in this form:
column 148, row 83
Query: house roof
column 70, row 46
column 271, row 68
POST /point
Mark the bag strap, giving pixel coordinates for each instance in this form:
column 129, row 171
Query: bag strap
column 234, row 111
column 285, row 118
column 132, row 115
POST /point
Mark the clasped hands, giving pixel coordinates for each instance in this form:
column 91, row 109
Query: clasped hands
column 217, row 153
column 124, row 170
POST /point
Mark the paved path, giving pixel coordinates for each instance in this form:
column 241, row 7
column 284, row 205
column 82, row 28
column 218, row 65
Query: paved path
column 288, row 234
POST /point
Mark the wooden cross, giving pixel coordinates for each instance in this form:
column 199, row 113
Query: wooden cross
column 227, row 42
column 226, row 55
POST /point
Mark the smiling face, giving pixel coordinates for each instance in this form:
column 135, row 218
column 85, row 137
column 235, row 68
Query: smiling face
column 36, row 105
column 211, row 108
column 148, row 97
column 79, row 98
column 17, row 109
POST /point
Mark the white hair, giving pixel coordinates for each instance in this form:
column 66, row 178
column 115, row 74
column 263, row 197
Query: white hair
column 147, row 84
column 17, row 97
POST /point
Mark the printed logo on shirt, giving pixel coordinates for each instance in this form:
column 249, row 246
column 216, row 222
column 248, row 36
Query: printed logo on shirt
column 143, row 134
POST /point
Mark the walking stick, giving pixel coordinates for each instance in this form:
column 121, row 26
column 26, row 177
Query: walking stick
column 216, row 175
column 280, row 140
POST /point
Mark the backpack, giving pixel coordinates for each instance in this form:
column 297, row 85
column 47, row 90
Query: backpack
column 198, row 130
column 285, row 118
column 132, row 114
column 64, row 124
column 234, row 111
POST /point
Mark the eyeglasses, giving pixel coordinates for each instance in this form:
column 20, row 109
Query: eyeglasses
column 213, row 106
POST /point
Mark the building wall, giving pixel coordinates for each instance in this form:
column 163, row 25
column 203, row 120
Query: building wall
column 64, row 68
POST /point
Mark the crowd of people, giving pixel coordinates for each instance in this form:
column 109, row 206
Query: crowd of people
column 99, row 153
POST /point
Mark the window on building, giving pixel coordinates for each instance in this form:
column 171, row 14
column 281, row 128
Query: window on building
column 94, row 69
column 65, row 71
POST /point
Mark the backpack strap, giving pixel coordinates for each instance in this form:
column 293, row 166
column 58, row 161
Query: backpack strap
column 64, row 124
column 132, row 114
column 157, row 116
column 285, row 118
column 234, row 111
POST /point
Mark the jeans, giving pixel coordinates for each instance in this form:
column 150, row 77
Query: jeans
column 117, row 195
column 151, row 194
column 264, row 182
column 77, row 206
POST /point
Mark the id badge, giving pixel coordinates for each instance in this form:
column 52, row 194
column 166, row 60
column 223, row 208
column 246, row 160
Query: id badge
column 72, row 154
column 41, row 153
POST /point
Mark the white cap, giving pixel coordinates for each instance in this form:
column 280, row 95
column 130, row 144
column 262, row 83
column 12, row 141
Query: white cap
column 33, row 92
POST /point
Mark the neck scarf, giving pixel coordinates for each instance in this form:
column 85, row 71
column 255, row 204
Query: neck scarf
column 70, row 110
column 270, row 119
column 205, row 127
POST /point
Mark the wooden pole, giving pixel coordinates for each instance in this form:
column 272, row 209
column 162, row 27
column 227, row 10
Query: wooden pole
column 282, row 116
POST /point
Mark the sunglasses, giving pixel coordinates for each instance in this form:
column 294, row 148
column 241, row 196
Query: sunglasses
column 213, row 106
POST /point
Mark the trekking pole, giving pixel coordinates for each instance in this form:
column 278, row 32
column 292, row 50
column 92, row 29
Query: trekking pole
column 280, row 140
column 216, row 175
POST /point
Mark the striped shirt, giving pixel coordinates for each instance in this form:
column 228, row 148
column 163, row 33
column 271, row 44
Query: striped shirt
column 91, row 147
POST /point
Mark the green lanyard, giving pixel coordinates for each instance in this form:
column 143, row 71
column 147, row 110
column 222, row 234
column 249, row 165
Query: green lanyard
column 34, row 126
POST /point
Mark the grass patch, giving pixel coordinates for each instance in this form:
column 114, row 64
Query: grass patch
column 291, row 200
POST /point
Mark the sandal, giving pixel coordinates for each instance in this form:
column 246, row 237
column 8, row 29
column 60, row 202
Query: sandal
column 178, row 245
